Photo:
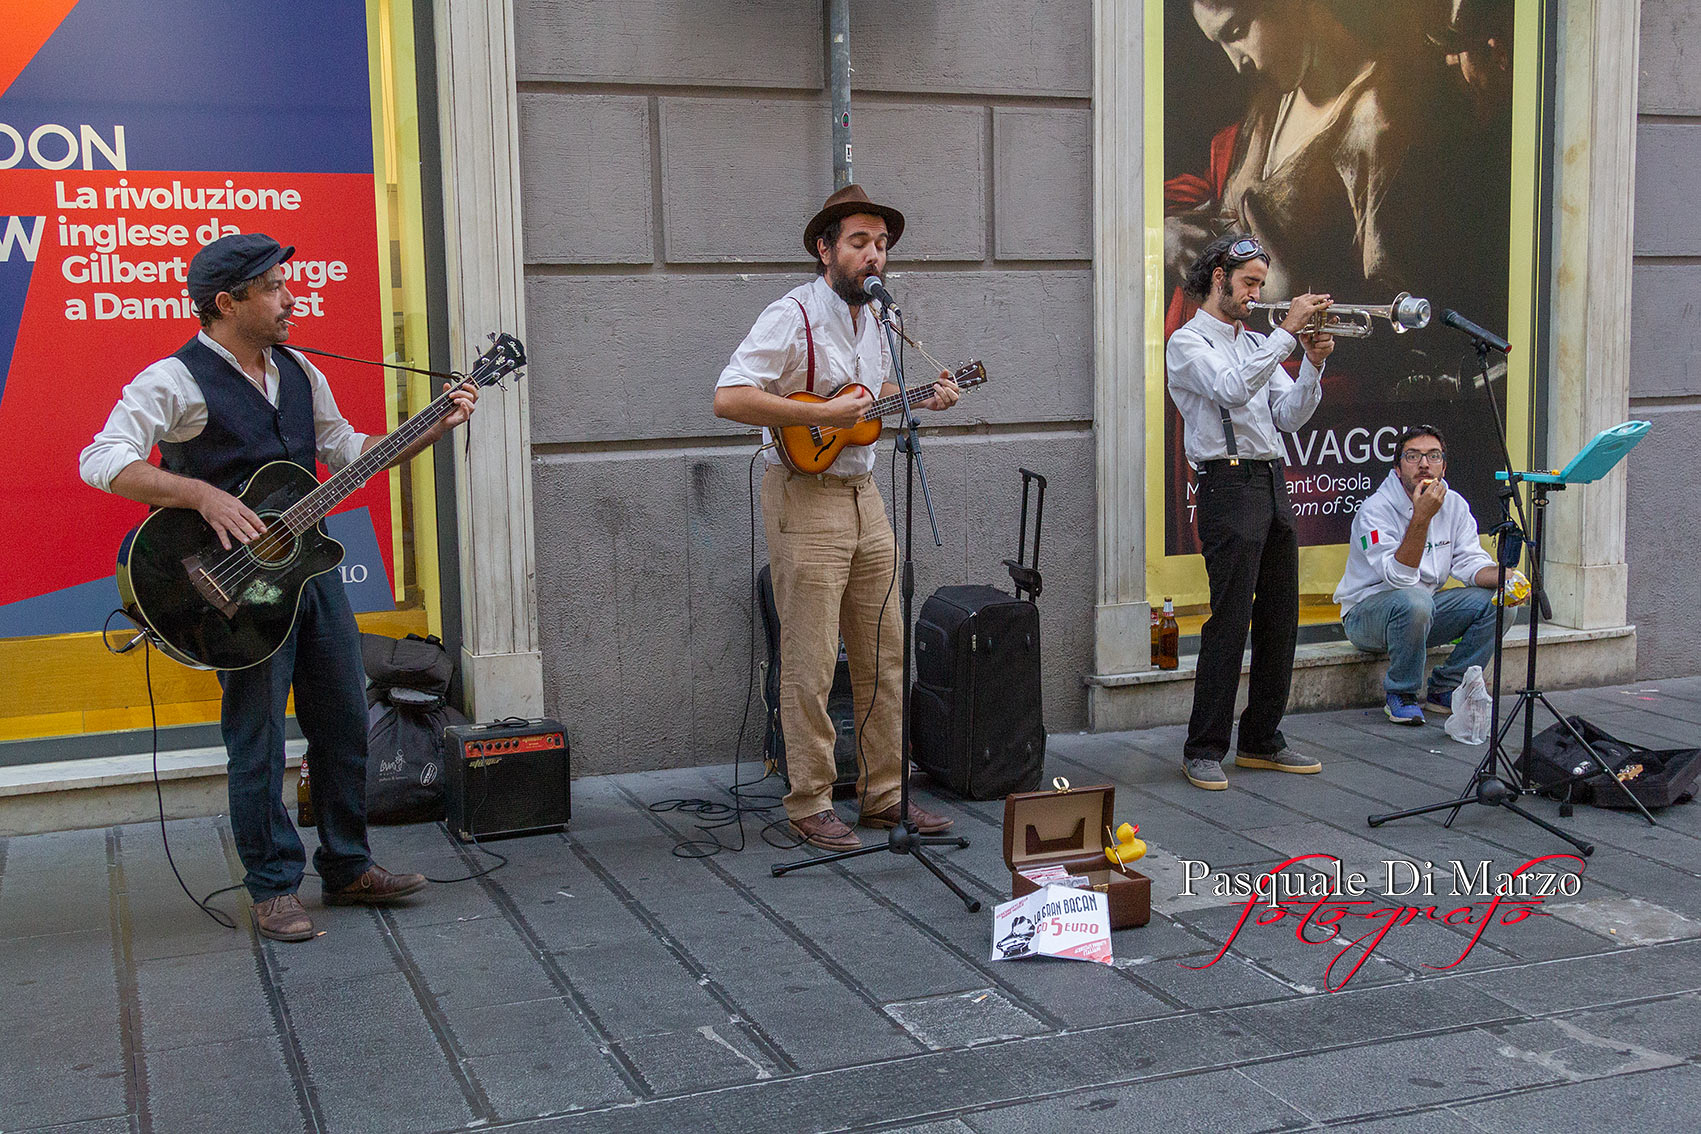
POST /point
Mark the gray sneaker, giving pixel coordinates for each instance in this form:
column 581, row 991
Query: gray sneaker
column 1203, row 773
column 1287, row 760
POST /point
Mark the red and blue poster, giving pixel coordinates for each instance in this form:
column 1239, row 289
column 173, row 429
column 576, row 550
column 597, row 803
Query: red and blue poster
column 132, row 133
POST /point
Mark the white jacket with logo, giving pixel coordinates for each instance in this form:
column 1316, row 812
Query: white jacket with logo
column 1453, row 547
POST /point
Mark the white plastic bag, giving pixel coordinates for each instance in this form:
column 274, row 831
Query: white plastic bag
column 1469, row 723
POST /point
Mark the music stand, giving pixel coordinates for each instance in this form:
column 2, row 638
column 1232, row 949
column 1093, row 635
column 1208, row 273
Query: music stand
column 903, row 838
column 1592, row 462
column 1596, row 458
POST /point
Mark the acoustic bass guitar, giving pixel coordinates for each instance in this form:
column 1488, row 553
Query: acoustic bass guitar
column 811, row 449
column 210, row 608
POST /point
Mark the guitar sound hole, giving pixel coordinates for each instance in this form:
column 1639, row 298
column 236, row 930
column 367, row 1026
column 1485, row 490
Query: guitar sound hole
column 277, row 548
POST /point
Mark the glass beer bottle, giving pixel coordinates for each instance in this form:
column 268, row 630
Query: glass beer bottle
column 1169, row 637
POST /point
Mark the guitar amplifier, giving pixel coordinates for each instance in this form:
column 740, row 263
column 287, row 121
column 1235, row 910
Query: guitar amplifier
column 505, row 778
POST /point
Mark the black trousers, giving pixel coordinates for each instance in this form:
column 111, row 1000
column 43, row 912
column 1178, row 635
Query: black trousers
column 1252, row 557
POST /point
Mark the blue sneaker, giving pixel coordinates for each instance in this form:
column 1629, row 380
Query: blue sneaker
column 1439, row 703
column 1402, row 709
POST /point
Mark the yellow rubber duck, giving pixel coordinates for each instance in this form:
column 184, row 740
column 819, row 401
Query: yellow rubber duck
column 1127, row 849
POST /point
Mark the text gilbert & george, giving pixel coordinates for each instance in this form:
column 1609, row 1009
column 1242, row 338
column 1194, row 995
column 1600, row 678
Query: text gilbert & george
column 1354, row 911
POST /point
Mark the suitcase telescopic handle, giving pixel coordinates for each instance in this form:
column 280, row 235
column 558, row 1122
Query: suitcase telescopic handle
column 1026, row 575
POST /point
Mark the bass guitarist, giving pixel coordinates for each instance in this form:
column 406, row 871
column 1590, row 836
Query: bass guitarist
column 226, row 403
column 830, row 545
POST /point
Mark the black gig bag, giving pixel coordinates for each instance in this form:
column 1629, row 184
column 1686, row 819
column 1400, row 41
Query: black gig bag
column 841, row 706
column 1560, row 765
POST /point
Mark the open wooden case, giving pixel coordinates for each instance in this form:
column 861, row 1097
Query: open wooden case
column 1066, row 827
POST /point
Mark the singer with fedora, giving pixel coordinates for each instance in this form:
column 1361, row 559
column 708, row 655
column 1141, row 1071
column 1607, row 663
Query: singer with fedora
column 228, row 401
column 831, row 550
column 1234, row 395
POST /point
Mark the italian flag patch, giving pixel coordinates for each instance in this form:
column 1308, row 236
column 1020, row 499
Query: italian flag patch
column 1364, row 541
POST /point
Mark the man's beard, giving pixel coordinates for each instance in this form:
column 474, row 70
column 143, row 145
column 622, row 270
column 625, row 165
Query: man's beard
column 1226, row 302
column 847, row 288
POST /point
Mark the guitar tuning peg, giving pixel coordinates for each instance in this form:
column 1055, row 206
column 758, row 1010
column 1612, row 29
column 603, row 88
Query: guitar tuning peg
column 491, row 335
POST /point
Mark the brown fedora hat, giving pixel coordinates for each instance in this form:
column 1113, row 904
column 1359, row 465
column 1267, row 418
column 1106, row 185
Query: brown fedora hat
column 845, row 202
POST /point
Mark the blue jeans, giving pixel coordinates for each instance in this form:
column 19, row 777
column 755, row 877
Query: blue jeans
column 1406, row 621
column 321, row 658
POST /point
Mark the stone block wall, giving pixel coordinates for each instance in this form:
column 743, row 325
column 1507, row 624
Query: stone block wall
column 671, row 153
column 1665, row 358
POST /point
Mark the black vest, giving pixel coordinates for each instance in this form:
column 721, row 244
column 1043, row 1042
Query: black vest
column 244, row 430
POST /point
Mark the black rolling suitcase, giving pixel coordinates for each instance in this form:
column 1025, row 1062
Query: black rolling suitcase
column 976, row 723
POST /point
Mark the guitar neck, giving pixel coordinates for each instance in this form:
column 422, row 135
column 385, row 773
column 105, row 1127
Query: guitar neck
column 895, row 403
column 316, row 505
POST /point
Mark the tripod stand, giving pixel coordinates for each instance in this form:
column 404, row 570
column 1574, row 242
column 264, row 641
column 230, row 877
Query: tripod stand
column 1530, row 695
column 903, row 838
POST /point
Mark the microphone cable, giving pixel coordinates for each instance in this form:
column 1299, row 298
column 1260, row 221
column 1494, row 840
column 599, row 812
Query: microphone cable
column 143, row 635
column 714, row 815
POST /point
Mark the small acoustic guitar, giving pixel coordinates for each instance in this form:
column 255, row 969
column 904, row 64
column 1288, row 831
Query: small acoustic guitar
column 811, row 449
column 210, row 608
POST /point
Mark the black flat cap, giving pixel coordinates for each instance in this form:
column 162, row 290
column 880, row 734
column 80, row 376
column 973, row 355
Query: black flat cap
column 230, row 260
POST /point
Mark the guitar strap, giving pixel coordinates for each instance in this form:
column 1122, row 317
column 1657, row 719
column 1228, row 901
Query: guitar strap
column 808, row 337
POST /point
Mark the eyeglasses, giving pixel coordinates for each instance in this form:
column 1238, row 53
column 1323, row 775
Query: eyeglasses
column 1433, row 457
column 1246, row 248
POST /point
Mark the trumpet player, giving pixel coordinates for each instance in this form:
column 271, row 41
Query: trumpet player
column 1233, row 394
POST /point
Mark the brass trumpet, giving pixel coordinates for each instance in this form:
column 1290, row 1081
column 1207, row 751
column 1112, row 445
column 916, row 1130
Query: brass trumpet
column 1406, row 313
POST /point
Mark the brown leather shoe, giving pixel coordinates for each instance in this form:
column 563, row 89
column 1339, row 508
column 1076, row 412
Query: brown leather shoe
column 826, row 830
column 926, row 822
column 282, row 919
column 374, row 888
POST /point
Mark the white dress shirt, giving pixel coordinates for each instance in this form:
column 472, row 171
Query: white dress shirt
column 1212, row 363
column 164, row 403
column 1453, row 547
column 774, row 357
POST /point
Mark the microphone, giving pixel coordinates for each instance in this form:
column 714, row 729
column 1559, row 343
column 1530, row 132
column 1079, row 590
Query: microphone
column 873, row 287
column 1488, row 338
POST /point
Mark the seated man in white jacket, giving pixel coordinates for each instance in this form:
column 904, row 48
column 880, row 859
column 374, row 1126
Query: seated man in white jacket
column 1407, row 539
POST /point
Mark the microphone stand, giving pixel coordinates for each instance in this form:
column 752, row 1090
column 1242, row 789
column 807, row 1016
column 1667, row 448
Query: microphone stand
column 903, row 838
column 1498, row 780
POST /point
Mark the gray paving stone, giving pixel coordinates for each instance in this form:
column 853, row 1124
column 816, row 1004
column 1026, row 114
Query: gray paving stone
column 698, row 1059
column 95, row 1126
column 1231, row 980
column 178, row 1012
column 1218, row 1102
column 1418, row 1122
column 471, row 963
column 638, row 988
column 1589, row 982
column 544, row 1081
column 1080, row 995
column 349, row 949
column 372, row 1058
column 61, row 993
column 962, row 1019
column 1665, row 1100
column 1570, row 1049
column 242, row 1085
column 1427, row 1071
column 1672, row 1026
column 1367, row 1015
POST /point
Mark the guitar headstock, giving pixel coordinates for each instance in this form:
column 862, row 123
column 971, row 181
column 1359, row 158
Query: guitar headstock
column 971, row 374
column 504, row 356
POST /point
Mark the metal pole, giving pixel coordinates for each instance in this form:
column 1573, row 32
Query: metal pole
column 838, row 58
